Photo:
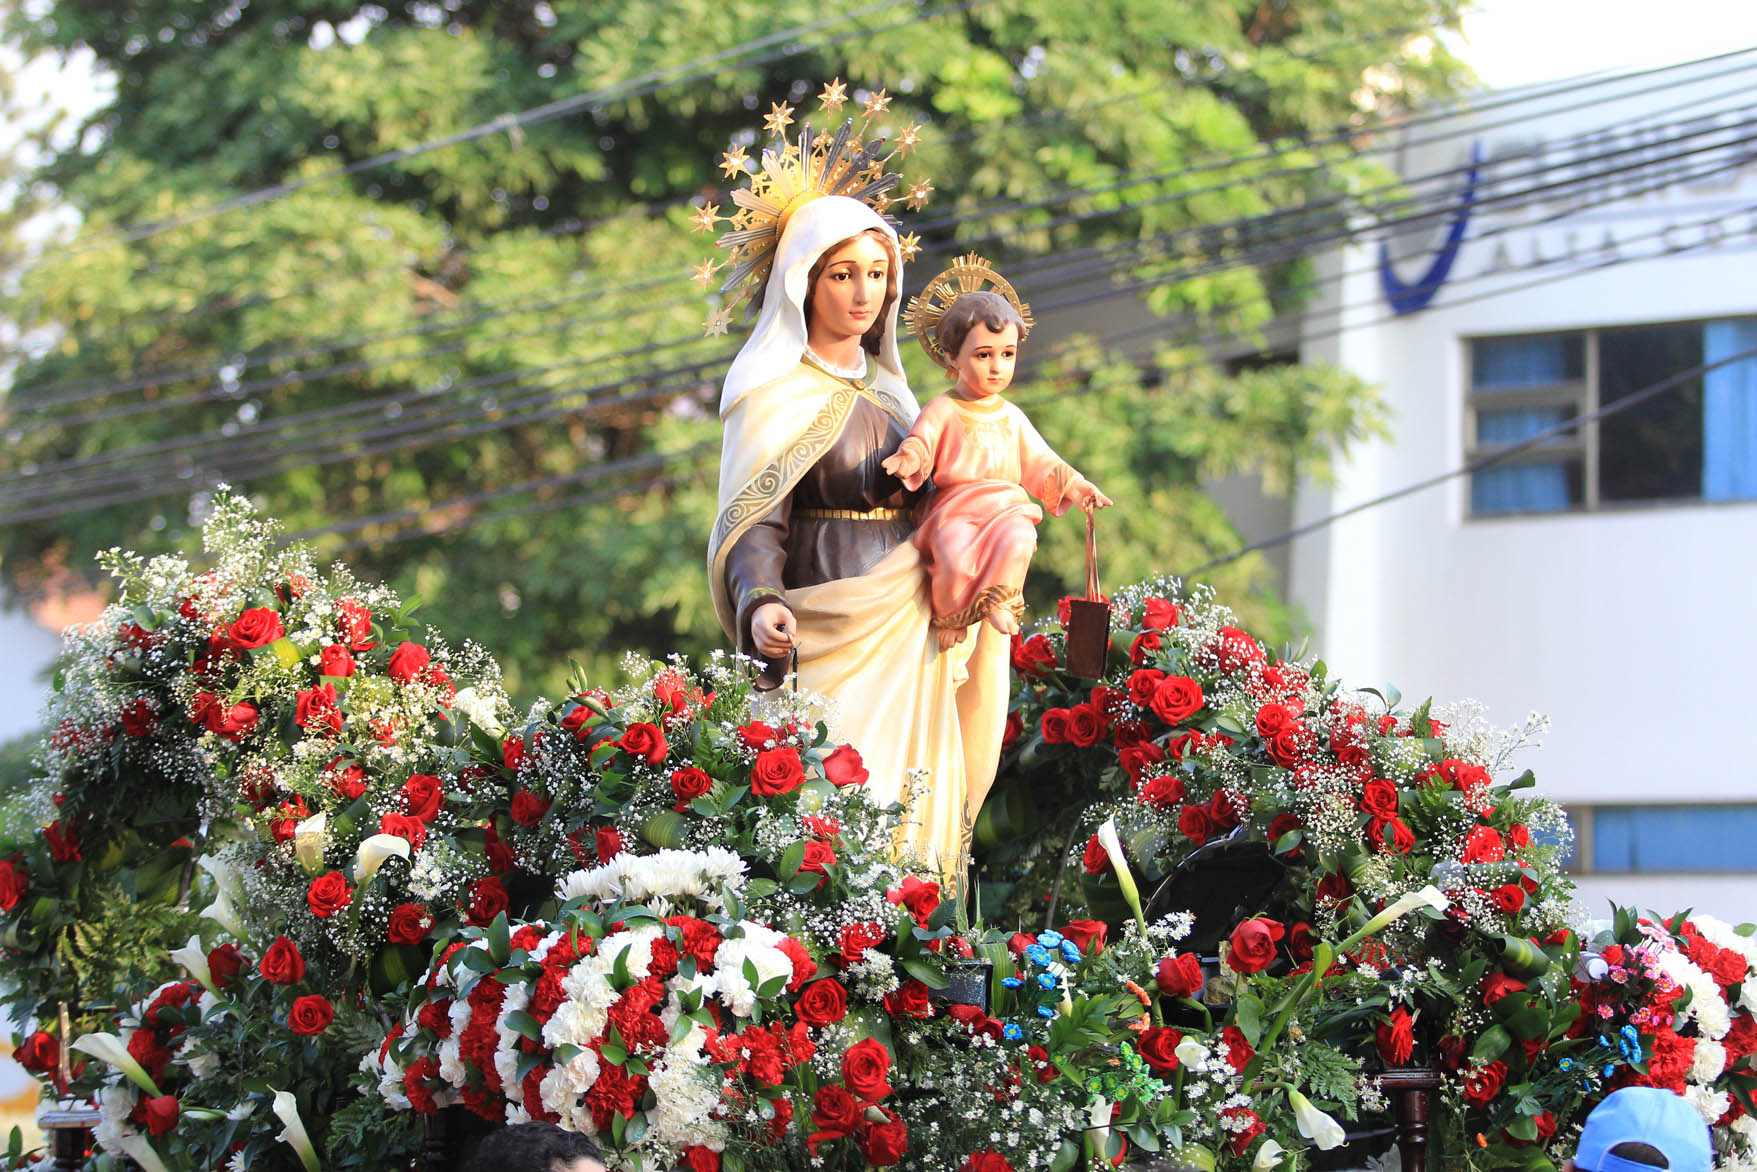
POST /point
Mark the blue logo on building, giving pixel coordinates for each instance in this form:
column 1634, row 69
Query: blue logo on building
column 1412, row 297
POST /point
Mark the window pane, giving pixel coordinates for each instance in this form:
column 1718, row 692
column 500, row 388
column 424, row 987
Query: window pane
column 1673, row 839
column 1503, row 364
column 1652, row 451
column 1494, row 428
column 1525, row 488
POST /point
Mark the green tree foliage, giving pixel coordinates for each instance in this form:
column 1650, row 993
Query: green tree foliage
column 583, row 222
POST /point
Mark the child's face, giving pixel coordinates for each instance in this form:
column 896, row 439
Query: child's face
column 985, row 361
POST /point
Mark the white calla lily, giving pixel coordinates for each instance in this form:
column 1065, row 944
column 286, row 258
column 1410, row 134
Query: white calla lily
column 1113, row 847
column 293, row 1129
column 228, row 891
column 480, row 711
column 193, row 957
column 309, row 839
column 1268, row 1156
column 374, row 851
column 1191, row 1052
column 108, row 1049
column 1316, row 1126
column 136, row 1148
column 1429, row 896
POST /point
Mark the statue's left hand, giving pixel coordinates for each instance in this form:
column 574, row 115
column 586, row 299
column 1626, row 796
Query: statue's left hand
column 1085, row 494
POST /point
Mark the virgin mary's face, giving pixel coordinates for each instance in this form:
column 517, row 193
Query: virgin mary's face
column 850, row 290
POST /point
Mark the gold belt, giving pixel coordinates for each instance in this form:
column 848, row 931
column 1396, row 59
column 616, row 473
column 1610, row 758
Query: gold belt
column 853, row 514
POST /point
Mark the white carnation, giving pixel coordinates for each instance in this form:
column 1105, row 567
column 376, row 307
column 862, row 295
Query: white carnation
column 1707, row 1062
column 1709, row 1103
column 1748, row 994
column 451, row 1062
column 506, row 1043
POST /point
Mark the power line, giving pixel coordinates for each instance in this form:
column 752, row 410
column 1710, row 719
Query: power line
column 157, row 378
column 1211, row 231
column 1487, row 459
column 351, row 443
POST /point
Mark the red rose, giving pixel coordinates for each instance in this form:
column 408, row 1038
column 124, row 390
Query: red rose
column 1223, row 808
column 512, row 753
column 355, row 621
column 139, row 717
column 14, row 884
column 315, row 708
column 757, row 735
column 1485, row 1083
column 835, row 1110
column 918, row 897
column 1238, row 1051
column 527, row 808
column 885, row 1143
column 1396, row 1038
column 422, row 796
column 407, row 663
column 1032, row 656
column 1145, row 644
column 40, row 1053
column 821, row 1003
column 1282, row 826
column 1015, row 728
column 1176, row 699
column 1055, row 726
column 1179, row 976
column 1094, row 861
column 1158, row 614
column 864, row 1067
column 257, row 627
column 161, row 1113
column 282, row 964
column 818, row 855
column 855, row 939
column 909, row 1000
column 823, row 828
column 1253, row 944
column 987, row 1160
column 1087, row 934
column 645, row 742
column 1085, row 725
column 845, row 768
column 696, row 1158
column 328, row 894
column 1290, row 746
column 608, row 843
column 409, row 923
column 1498, row 985
column 403, row 826
column 310, row 1015
column 1164, row 792
column 1195, row 824
column 1301, row 942
column 776, row 771
column 487, row 900
column 348, row 780
column 688, row 784
column 1159, row 1047
column 1243, row 1126
column 1510, row 897
column 233, row 722
column 1273, row 718
column 224, row 963
column 1391, row 834
column 1484, row 845
column 1379, row 798
column 335, row 660
column 1142, row 685
column 1235, row 649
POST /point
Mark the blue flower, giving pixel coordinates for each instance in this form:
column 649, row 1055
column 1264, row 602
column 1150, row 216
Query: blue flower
column 1050, row 939
column 1609, row 1070
column 1011, row 1032
column 1631, row 1034
column 1070, row 952
column 1567, row 1064
column 1037, row 954
column 1046, row 1011
column 1011, row 982
column 1047, row 980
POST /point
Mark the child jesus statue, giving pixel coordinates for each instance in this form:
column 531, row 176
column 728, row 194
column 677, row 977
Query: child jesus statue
column 978, row 527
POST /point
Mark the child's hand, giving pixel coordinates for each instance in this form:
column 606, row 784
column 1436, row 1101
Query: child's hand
column 907, row 465
column 1085, row 494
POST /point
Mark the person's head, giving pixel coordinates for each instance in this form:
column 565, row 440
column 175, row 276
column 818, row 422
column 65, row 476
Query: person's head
column 851, row 290
column 980, row 334
column 536, row 1147
column 1641, row 1129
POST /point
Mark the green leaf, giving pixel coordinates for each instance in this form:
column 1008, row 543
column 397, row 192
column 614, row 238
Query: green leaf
column 500, row 940
column 1494, row 1042
column 526, row 1025
column 1248, row 1016
column 791, row 858
column 926, row 974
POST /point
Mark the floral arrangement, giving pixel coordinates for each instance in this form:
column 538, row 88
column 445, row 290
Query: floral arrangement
column 670, row 914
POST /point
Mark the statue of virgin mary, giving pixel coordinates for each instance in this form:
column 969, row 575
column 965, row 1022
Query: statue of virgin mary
column 812, row 538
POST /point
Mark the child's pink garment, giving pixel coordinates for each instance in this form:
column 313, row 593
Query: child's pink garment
column 978, row 528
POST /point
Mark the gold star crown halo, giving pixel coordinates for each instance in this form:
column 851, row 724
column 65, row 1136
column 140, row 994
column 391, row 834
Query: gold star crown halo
column 969, row 274
column 789, row 175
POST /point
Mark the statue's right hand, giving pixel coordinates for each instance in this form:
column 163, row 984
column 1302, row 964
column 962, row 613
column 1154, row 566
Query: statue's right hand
column 772, row 631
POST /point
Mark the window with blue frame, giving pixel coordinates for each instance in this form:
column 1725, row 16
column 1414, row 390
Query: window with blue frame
column 1697, row 441
column 1665, row 839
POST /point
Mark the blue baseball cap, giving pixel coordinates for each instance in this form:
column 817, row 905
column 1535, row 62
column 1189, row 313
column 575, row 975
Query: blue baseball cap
column 1649, row 1115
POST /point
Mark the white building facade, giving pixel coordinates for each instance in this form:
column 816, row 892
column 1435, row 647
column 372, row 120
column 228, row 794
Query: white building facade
column 1597, row 241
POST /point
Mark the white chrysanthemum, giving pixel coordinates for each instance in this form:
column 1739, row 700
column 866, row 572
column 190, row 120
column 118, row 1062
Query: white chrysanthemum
column 666, row 875
column 686, row 1096
column 1707, row 1062
column 506, row 1042
column 757, row 944
column 1710, row 1103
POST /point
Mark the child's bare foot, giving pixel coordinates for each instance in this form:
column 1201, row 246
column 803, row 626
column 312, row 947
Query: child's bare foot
column 1002, row 620
column 950, row 637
